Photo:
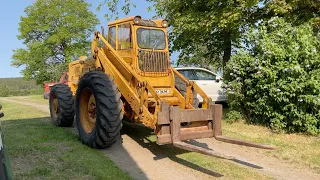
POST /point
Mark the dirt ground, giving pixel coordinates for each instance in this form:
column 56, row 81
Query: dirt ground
column 141, row 163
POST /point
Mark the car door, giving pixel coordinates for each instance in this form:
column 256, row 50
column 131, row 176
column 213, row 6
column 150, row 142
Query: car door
column 208, row 83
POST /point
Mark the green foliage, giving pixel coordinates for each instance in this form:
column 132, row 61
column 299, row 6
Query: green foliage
column 297, row 11
column 217, row 26
column 113, row 8
column 207, row 29
column 55, row 32
column 19, row 87
column 274, row 79
column 233, row 116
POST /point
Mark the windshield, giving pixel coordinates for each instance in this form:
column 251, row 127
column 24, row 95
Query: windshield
column 151, row 38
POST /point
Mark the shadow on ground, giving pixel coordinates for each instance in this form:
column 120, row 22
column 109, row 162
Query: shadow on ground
column 140, row 134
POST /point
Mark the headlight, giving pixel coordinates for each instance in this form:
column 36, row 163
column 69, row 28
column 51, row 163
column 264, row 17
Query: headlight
column 164, row 23
column 137, row 19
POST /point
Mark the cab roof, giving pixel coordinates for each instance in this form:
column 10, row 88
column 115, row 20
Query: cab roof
column 145, row 22
column 119, row 21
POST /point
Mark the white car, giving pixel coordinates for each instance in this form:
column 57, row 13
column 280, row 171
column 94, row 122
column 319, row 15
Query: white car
column 208, row 81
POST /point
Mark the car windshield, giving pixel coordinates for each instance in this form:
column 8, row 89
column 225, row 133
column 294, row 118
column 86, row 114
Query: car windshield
column 197, row 74
column 151, row 38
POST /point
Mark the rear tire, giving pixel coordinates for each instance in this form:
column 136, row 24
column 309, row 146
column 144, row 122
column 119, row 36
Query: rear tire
column 181, row 86
column 61, row 105
column 98, row 110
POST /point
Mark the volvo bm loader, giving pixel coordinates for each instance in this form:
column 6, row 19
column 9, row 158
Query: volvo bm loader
column 129, row 77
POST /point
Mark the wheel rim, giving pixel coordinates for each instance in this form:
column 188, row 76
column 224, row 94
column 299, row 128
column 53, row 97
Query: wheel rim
column 87, row 110
column 55, row 107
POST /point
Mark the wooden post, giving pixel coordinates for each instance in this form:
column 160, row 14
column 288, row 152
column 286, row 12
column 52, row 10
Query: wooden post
column 175, row 124
column 217, row 118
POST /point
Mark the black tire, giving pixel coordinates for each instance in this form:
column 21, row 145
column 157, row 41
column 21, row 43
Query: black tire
column 108, row 110
column 64, row 115
column 181, row 86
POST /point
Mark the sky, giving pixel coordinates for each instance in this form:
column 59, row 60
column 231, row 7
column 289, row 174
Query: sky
column 11, row 11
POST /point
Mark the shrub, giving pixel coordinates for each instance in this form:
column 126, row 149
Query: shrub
column 274, row 79
column 233, row 116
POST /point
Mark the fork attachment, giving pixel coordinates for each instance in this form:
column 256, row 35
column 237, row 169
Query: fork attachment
column 201, row 123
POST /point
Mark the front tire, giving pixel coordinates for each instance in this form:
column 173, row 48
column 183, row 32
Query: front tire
column 61, row 105
column 98, row 110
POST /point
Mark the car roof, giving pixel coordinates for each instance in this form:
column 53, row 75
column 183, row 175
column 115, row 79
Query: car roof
column 182, row 68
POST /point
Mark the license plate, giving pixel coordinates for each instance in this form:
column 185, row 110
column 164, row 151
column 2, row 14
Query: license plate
column 162, row 91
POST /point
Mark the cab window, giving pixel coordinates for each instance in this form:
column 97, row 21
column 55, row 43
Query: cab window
column 124, row 37
column 112, row 37
column 151, row 38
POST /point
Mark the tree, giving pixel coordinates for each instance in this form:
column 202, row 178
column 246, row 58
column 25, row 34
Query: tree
column 213, row 24
column 55, row 32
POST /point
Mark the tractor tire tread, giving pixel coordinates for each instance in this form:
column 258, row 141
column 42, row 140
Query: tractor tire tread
column 65, row 103
column 109, row 109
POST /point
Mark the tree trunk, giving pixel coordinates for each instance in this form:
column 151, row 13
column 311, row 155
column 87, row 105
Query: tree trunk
column 226, row 48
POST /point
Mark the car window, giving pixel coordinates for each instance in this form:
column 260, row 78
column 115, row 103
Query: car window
column 190, row 74
column 204, row 75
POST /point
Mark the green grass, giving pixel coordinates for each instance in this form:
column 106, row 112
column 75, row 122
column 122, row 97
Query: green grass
column 299, row 149
column 39, row 150
column 38, row 99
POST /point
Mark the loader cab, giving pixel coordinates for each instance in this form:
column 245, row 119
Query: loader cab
column 141, row 43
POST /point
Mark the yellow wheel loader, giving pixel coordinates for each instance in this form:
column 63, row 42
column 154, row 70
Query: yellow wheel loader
column 129, row 76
